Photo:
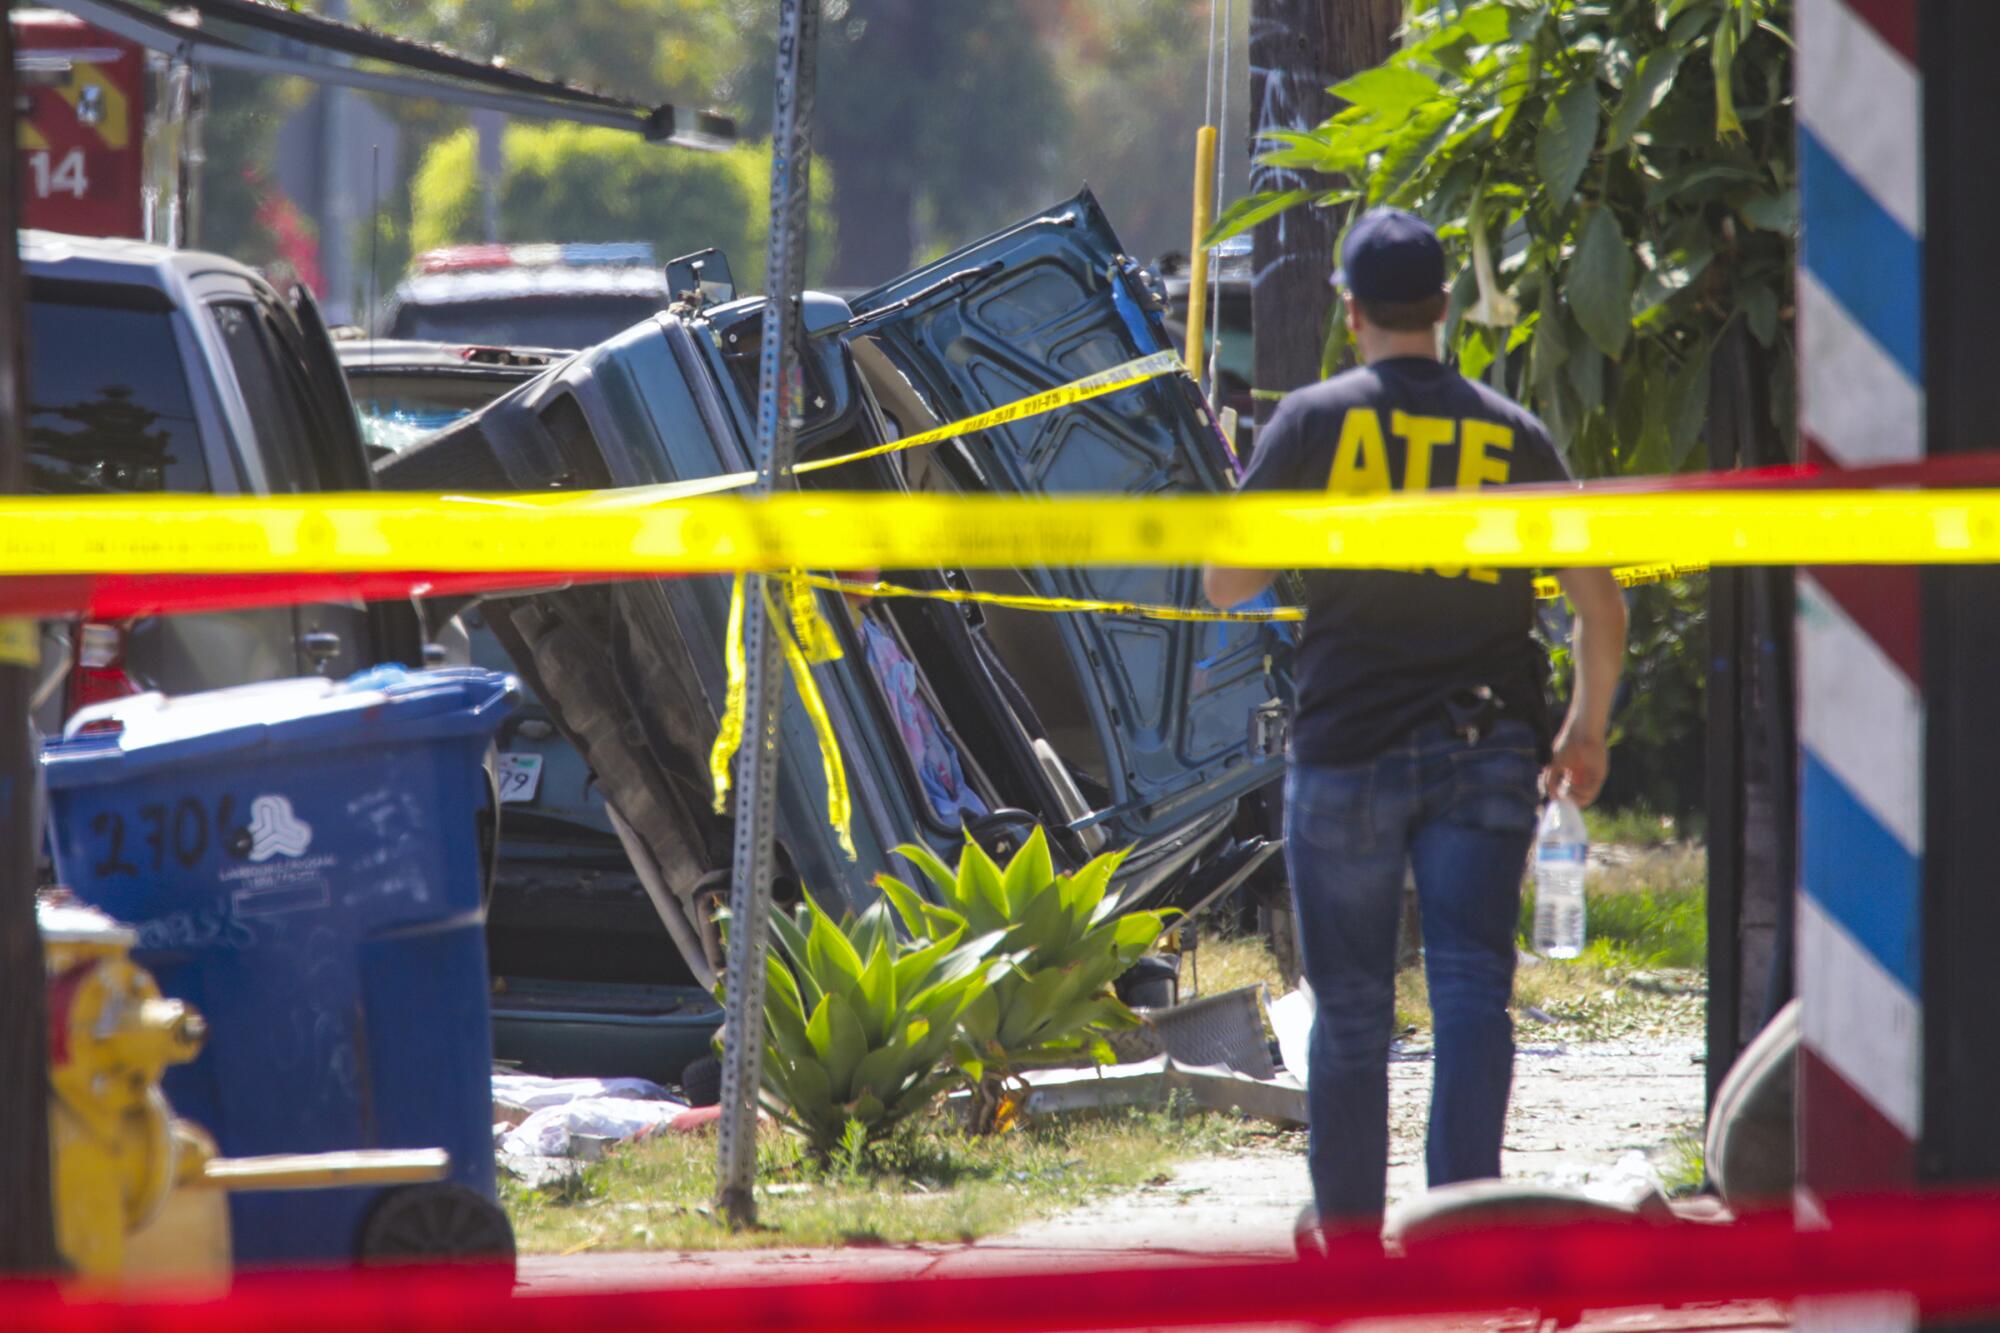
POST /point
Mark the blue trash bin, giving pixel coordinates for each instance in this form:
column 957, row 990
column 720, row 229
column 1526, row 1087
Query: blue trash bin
column 302, row 861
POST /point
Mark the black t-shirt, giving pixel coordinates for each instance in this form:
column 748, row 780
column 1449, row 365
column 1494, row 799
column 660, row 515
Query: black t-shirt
column 1382, row 650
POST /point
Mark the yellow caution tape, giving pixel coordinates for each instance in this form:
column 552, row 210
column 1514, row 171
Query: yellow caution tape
column 1026, row 602
column 846, row 530
column 20, row 642
column 729, row 736
column 838, row 806
column 1628, row 576
column 1122, row 376
column 811, row 627
column 1548, row 589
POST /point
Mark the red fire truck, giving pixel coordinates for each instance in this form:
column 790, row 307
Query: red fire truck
column 80, row 144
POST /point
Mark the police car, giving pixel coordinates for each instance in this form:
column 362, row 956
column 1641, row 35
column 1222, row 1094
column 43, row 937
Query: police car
column 543, row 295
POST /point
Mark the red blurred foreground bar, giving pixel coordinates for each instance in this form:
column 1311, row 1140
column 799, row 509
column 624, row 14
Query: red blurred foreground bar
column 124, row 596
column 1942, row 1250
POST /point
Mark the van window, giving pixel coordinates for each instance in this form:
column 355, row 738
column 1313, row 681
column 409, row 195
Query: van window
column 108, row 404
column 271, row 393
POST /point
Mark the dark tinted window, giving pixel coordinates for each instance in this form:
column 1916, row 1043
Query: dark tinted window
column 272, row 393
column 108, row 406
column 568, row 321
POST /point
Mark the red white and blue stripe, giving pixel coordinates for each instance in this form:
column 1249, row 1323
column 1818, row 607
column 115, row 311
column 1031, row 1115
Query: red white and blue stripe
column 1861, row 705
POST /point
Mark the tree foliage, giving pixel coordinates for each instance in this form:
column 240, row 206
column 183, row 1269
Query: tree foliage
column 576, row 183
column 683, row 51
column 1620, row 175
column 939, row 118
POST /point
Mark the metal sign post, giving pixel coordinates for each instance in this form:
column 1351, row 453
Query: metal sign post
column 757, row 761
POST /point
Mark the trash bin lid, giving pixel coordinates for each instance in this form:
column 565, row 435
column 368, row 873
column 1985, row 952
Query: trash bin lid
column 382, row 705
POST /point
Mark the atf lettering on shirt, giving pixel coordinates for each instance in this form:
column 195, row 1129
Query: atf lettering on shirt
column 1381, row 650
column 1361, row 460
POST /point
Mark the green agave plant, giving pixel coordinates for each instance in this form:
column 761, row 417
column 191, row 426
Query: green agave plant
column 863, row 1025
column 1065, row 934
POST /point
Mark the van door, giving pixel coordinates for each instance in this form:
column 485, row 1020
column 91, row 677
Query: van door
column 1160, row 712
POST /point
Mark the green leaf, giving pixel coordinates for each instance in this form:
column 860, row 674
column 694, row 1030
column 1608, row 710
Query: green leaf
column 1250, row 210
column 1388, row 90
column 1136, row 934
column 1584, row 375
column 874, row 929
column 1666, row 280
column 968, row 1061
column 907, row 904
column 1550, row 351
column 1410, row 151
column 1046, row 925
column 877, row 993
column 1486, row 23
column 1771, row 211
column 934, row 870
column 1687, row 404
column 1650, row 85
column 981, row 891
column 1475, row 352
column 1564, row 143
column 1600, row 282
column 812, row 1092
column 830, row 958
column 1030, row 870
column 1760, row 310
column 781, row 987
column 791, row 934
column 1695, row 176
column 836, row 1034
column 918, row 969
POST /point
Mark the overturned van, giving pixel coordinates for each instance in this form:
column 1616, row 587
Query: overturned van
column 955, row 720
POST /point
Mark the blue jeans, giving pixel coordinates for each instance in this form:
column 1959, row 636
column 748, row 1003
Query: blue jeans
column 1463, row 818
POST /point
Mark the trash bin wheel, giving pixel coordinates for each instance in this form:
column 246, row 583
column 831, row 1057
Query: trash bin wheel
column 701, row 1081
column 437, row 1223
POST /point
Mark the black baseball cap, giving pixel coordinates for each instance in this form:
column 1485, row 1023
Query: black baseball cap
column 1390, row 255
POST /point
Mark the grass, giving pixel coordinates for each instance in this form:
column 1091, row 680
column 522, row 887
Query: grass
column 931, row 1182
column 1643, row 911
column 1641, row 975
column 1636, row 826
column 1683, row 1170
column 1227, row 963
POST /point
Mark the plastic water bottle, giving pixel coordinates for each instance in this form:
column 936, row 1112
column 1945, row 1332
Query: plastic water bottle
column 1561, row 849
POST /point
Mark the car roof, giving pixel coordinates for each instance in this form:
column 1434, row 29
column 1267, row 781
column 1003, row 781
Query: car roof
column 51, row 254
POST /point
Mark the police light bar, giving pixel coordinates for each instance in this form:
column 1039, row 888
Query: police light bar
column 578, row 254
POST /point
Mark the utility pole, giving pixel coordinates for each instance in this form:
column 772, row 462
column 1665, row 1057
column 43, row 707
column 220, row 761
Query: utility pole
column 27, row 1230
column 1298, row 49
column 757, row 760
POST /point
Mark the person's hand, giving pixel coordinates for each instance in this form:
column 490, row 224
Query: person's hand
column 1579, row 765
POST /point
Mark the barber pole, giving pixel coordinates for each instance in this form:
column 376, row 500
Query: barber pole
column 1861, row 703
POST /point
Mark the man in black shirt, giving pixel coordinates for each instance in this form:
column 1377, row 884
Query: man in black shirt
column 1422, row 731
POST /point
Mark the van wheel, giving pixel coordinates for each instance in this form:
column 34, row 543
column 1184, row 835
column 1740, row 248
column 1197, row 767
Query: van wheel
column 438, row 1223
column 701, row 1081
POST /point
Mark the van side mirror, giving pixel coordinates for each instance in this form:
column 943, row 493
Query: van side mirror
column 704, row 273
